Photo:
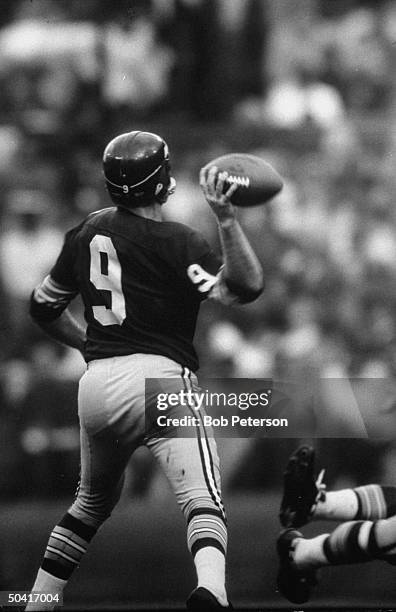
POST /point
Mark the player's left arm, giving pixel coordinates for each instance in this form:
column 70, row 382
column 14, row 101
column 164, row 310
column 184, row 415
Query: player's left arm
column 65, row 329
column 49, row 301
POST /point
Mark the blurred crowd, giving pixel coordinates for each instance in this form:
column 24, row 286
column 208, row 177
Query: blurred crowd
column 309, row 86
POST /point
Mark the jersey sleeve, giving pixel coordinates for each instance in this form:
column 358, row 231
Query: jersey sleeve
column 196, row 263
column 59, row 287
column 199, row 267
column 205, row 270
column 63, row 271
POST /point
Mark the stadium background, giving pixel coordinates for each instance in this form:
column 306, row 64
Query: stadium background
column 309, row 85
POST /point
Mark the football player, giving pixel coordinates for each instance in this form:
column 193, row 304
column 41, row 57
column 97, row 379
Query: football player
column 142, row 281
column 368, row 530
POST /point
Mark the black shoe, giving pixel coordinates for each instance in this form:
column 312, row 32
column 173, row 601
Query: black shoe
column 301, row 491
column 294, row 584
column 202, row 600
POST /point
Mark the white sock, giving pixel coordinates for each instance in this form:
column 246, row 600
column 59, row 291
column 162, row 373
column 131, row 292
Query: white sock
column 308, row 553
column 46, row 583
column 337, row 506
column 210, row 566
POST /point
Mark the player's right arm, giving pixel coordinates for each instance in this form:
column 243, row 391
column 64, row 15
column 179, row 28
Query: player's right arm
column 242, row 274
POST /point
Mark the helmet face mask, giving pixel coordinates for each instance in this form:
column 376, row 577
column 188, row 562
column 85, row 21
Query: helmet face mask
column 137, row 170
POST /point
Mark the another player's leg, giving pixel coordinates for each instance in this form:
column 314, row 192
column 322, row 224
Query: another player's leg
column 350, row 542
column 369, row 502
column 300, row 490
column 305, row 497
column 295, row 583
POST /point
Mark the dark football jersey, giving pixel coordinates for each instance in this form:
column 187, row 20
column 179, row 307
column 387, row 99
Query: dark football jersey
column 141, row 282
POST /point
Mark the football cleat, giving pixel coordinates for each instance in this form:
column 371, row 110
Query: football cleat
column 301, row 491
column 137, row 169
column 202, row 600
column 294, row 584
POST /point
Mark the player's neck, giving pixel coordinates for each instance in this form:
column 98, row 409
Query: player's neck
column 153, row 212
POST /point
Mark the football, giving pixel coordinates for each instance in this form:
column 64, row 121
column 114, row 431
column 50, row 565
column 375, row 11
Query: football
column 257, row 180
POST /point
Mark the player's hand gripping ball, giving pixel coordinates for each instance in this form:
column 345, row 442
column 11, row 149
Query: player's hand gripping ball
column 218, row 195
column 257, row 181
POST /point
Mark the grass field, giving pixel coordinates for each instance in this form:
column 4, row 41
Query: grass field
column 139, row 561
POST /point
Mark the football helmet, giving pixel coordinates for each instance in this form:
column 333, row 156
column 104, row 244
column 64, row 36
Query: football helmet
column 137, row 169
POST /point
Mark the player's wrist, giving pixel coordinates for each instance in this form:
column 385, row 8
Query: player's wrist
column 226, row 222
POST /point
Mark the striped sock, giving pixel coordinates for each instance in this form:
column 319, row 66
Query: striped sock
column 65, row 549
column 382, row 543
column 206, row 526
column 66, row 546
column 375, row 502
column 349, row 543
column 207, row 542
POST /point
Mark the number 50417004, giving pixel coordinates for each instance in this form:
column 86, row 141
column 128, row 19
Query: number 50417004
column 18, row 598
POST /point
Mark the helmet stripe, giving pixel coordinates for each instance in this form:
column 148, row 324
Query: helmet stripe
column 140, row 182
